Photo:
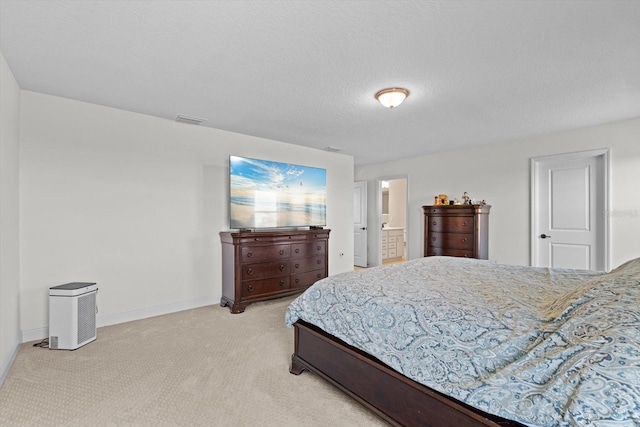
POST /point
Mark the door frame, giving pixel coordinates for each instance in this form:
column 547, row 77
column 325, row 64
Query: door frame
column 535, row 214
column 379, row 212
column 364, row 210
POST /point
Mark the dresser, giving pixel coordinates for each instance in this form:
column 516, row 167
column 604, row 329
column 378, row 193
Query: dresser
column 457, row 230
column 261, row 265
column 392, row 243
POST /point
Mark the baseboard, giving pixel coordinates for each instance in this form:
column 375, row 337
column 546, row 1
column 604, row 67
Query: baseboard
column 114, row 319
column 6, row 368
column 35, row 334
column 144, row 313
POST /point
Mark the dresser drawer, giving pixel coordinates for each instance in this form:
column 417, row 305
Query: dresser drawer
column 307, row 264
column 257, row 288
column 307, row 279
column 433, row 251
column 324, row 234
column 265, row 269
column 448, row 210
column 292, row 238
column 270, row 238
column 451, row 224
column 264, row 253
column 450, row 240
column 308, row 249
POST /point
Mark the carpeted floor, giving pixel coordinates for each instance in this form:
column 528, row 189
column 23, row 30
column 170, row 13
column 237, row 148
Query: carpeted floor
column 201, row 367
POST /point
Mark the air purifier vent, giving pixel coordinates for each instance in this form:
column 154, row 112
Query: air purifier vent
column 53, row 343
column 86, row 317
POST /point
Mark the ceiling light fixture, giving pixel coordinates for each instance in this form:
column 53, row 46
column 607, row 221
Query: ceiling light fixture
column 392, row 97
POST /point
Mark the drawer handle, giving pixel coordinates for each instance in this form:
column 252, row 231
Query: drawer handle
column 465, row 240
column 464, row 222
column 318, row 247
column 250, row 254
column 250, row 271
column 281, row 283
column 297, row 280
column 433, row 238
column 250, row 288
column 466, row 256
column 256, row 239
column 318, row 261
column 434, row 223
column 319, row 276
column 297, row 265
column 297, row 250
column 282, row 267
column 281, row 251
column 433, row 253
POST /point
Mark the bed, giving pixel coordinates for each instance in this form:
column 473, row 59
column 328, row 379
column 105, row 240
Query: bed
column 453, row 341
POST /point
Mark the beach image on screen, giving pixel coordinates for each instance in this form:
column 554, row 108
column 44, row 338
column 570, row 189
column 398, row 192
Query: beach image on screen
column 267, row 194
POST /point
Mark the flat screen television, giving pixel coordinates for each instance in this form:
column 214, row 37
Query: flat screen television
column 268, row 194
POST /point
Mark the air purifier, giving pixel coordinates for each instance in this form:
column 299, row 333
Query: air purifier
column 72, row 315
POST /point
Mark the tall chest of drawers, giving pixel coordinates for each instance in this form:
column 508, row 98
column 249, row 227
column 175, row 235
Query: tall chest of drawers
column 457, row 230
column 257, row 265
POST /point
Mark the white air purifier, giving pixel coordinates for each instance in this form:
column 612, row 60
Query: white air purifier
column 72, row 315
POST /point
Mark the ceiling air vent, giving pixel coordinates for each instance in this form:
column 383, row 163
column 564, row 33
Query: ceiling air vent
column 189, row 119
column 332, row 149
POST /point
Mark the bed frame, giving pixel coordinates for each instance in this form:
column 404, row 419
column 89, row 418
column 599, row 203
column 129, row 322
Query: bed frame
column 393, row 397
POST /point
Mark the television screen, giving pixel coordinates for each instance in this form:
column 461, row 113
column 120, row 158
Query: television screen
column 267, row 194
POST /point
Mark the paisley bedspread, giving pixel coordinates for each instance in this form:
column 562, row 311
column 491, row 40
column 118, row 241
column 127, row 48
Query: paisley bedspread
column 549, row 347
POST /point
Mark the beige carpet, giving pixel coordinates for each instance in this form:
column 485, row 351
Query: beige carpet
column 201, row 367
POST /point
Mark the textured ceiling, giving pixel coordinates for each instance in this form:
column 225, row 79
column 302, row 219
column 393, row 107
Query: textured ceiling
column 305, row 72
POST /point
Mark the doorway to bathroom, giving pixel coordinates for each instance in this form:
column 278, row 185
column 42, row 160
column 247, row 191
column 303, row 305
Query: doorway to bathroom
column 392, row 214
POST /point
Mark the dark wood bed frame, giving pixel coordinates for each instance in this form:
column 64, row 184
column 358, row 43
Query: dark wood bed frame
column 393, row 397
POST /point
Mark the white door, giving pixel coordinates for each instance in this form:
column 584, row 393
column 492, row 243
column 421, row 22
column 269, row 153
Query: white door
column 569, row 203
column 360, row 223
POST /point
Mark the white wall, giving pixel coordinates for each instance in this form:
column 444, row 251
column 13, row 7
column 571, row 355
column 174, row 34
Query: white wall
column 500, row 174
column 9, row 218
column 135, row 203
column 397, row 202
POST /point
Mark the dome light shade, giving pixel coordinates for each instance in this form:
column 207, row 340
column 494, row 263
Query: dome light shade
column 392, row 97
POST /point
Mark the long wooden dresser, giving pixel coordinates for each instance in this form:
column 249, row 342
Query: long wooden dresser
column 261, row 265
column 457, row 230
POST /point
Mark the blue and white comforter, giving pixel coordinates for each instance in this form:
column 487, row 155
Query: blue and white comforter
column 539, row 346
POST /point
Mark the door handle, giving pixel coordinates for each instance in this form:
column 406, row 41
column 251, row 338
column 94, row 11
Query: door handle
column 544, row 236
column 363, row 228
